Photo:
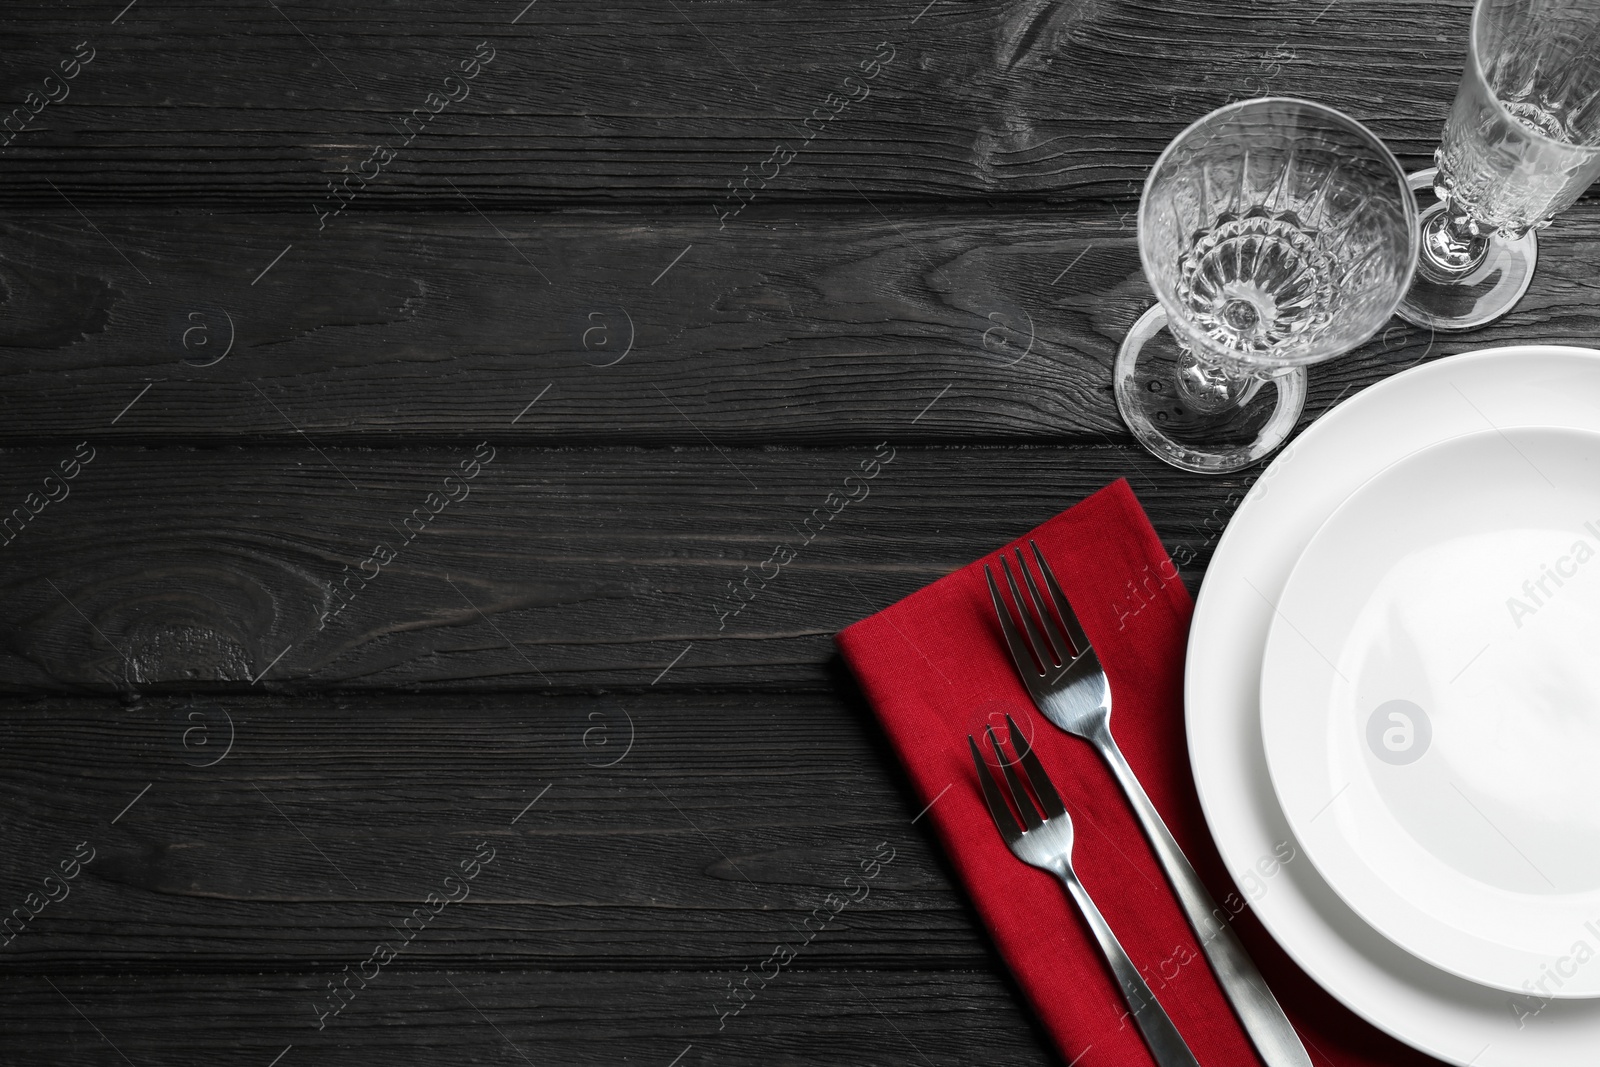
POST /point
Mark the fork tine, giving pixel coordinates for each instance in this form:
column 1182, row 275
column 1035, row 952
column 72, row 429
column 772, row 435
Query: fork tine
column 1043, row 788
column 1004, row 821
column 1080, row 643
column 1035, row 639
column 1021, row 654
column 1030, row 815
column 1047, row 621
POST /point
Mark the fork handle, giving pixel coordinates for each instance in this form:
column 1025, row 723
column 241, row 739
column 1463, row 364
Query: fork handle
column 1258, row 1010
column 1166, row 1044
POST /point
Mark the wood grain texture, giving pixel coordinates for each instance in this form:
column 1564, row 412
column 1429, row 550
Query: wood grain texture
column 509, row 1018
column 649, row 831
column 247, row 849
column 807, row 329
column 814, row 328
column 199, row 105
column 177, row 568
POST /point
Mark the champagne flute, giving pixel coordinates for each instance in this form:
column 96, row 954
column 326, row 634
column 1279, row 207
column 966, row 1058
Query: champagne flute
column 1275, row 232
column 1521, row 144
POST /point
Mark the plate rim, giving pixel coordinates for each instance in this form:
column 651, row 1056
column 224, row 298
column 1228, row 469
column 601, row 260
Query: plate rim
column 1304, row 947
column 1366, row 909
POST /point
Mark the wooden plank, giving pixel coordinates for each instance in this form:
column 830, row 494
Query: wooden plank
column 550, row 568
column 803, row 1019
column 652, row 831
column 801, row 330
column 815, row 328
column 638, row 102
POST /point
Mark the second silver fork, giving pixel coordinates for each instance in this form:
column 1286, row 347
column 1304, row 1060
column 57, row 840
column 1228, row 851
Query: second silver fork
column 1047, row 844
column 1063, row 675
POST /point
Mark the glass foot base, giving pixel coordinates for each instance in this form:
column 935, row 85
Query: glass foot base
column 1164, row 401
column 1451, row 300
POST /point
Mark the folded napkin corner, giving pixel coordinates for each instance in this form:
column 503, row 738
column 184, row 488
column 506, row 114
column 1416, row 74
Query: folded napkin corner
column 935, row 669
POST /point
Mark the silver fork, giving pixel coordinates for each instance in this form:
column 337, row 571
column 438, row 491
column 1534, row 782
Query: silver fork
column 1064, row 676
column 1047, row 844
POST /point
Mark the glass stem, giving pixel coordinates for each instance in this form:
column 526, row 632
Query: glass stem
column 1211, row 386
column 1450, row 248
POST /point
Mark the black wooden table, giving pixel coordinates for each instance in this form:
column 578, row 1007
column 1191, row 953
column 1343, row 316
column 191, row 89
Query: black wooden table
column 393, row 397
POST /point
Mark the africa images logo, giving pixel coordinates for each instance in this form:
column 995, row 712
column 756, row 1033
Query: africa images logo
column 1399, row 732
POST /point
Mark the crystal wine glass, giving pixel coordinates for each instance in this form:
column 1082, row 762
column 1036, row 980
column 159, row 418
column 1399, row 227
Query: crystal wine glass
column 1275, row 233
column 1521, row 144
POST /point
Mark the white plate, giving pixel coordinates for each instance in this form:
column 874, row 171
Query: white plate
column 1458, row 1021
column 1430, row 706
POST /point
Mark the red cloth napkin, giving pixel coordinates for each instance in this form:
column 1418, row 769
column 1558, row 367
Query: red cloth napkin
column 935, row 669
